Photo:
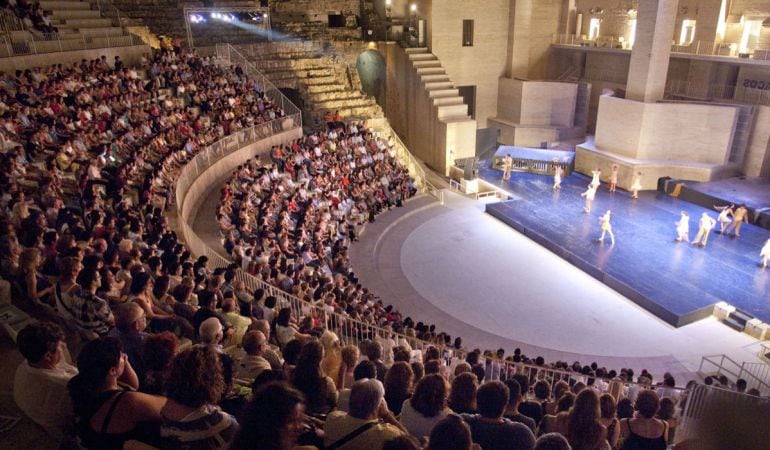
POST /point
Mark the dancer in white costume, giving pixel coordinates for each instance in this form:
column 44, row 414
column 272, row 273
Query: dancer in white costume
column 596, row 174
column 683, row 228
column 589, row 194
column 705, row 225
column 636, row 185
column 606, row 227
column 507, row 165
column 614, row 177
column 765, row 253
column 558, row 171
column 724, row 216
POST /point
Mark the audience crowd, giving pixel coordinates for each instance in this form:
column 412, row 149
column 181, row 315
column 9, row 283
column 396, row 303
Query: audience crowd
column 180, row 356
column 30, row 13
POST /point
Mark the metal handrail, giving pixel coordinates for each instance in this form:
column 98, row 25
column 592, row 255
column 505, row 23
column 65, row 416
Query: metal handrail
column 228, row 53
column 108, row 10
column 10, row 22
column 52, row 43
column 728, row 366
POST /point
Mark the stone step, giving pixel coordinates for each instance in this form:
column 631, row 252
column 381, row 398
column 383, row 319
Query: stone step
column 413, row 50
column 337, row 104
column 439, row 85
column 422, row 57
column 320, row 80
column 452, row 111
column 315, row 73
column 86, row 23
column 63, row 14
column 445, row 101
column 431, row 71
column 302, row 63
column 434, row 78
column 55, row 5
column 443, row 93
column 102, row 31
column 423, row 64
column 314, row 89
column 337, row 95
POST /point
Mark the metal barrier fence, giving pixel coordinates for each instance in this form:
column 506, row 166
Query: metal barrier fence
column 701, row 399
column 757, row 375
column 52, row 42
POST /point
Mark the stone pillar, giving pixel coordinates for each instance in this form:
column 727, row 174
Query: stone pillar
column 652, row 48
column 520, row 21
column 707, row 21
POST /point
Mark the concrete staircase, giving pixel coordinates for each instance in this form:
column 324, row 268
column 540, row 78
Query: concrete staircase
column 447, row 102
column 324, row 82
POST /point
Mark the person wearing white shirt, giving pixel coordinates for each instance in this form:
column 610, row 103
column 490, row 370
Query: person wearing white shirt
column 40, row 382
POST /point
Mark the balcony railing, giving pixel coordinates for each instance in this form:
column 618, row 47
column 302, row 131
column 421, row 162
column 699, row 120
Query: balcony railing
column 52, row 42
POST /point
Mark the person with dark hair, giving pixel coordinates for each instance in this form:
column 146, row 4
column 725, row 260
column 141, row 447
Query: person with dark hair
column 157, row 354
column 363, row 370
column 90, row 312
column 426, row 407
column 106, row 414
column 129, row 330
column 625, row 409
column 374, row 354
column 319, row 390
column 251, row 364
column 404, row 442
column 512, row 410
column 666, row 413
column 451, row 433
column 462, row 396
column 40, row 381
column 286, row 330
column 552, row 441
column 489, row 429
column 398, row 386
column 290, row 354
column 191, row 417
column 644, row 431
column 533, row 410
column 557, row 422
column 608, row 408
column 584, row 430
column 272, row 420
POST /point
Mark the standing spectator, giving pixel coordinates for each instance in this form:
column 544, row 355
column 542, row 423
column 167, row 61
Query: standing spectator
column 489, row 429
column 512, row 410
column 40, row 382
column 191, row 418
column 531, row 409
column 644, row 432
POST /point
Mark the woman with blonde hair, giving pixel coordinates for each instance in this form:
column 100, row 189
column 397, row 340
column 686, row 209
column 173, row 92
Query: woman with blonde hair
column 350, row 355
column 331, row 365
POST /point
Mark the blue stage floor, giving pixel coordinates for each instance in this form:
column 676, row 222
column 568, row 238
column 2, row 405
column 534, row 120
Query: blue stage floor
column 677, row 282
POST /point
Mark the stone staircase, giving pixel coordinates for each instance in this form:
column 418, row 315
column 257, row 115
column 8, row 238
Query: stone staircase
column 446, row 98
column 324, row 82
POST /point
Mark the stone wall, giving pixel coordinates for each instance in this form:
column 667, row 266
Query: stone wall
column 310, row 18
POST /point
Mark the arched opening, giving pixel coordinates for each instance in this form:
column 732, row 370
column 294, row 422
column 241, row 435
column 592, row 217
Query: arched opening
column 371, row 70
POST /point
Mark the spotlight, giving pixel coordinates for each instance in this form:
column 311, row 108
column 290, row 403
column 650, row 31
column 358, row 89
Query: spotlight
column 413, row 7
column 215, row 15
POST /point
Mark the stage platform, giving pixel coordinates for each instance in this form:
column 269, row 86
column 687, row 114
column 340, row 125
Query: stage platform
column 677, row 282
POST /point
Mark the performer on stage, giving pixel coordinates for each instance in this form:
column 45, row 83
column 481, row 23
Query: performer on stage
column 558, row 171
column 683, row 228
column 636, row 185
column 739, row 215
column 606, row 227
column 614, row 177
column 765, row 253
column 705, row 225
column 589, row 194
column 507, row 165
column 723, row 217
column 595, row 181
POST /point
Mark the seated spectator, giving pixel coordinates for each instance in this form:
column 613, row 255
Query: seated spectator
column 90, row 312
column 157, row 354
column 669, row 389
column 462, row 396
column 512, row 410
column 609, row 420
column 426, row 407
column 129, row 330
column 271, row 351
column 40, row 382
column 644, row 431
column 584, row 430
column 403, row 442
column 365, row 369
column 625, row 409
column 350, row 355
column 552, row 441
column 332, row 362
column 191, row 417
column 398, row 386
column 108, row 415
column 368, row 425
column 560, row 388
column 273, row 419
column 319, row 390
column 231, row 314
column 489, row 429
column 557, row 423
column 531, row 409
column 252, row 363
column 451, row 433
column 286, row 330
